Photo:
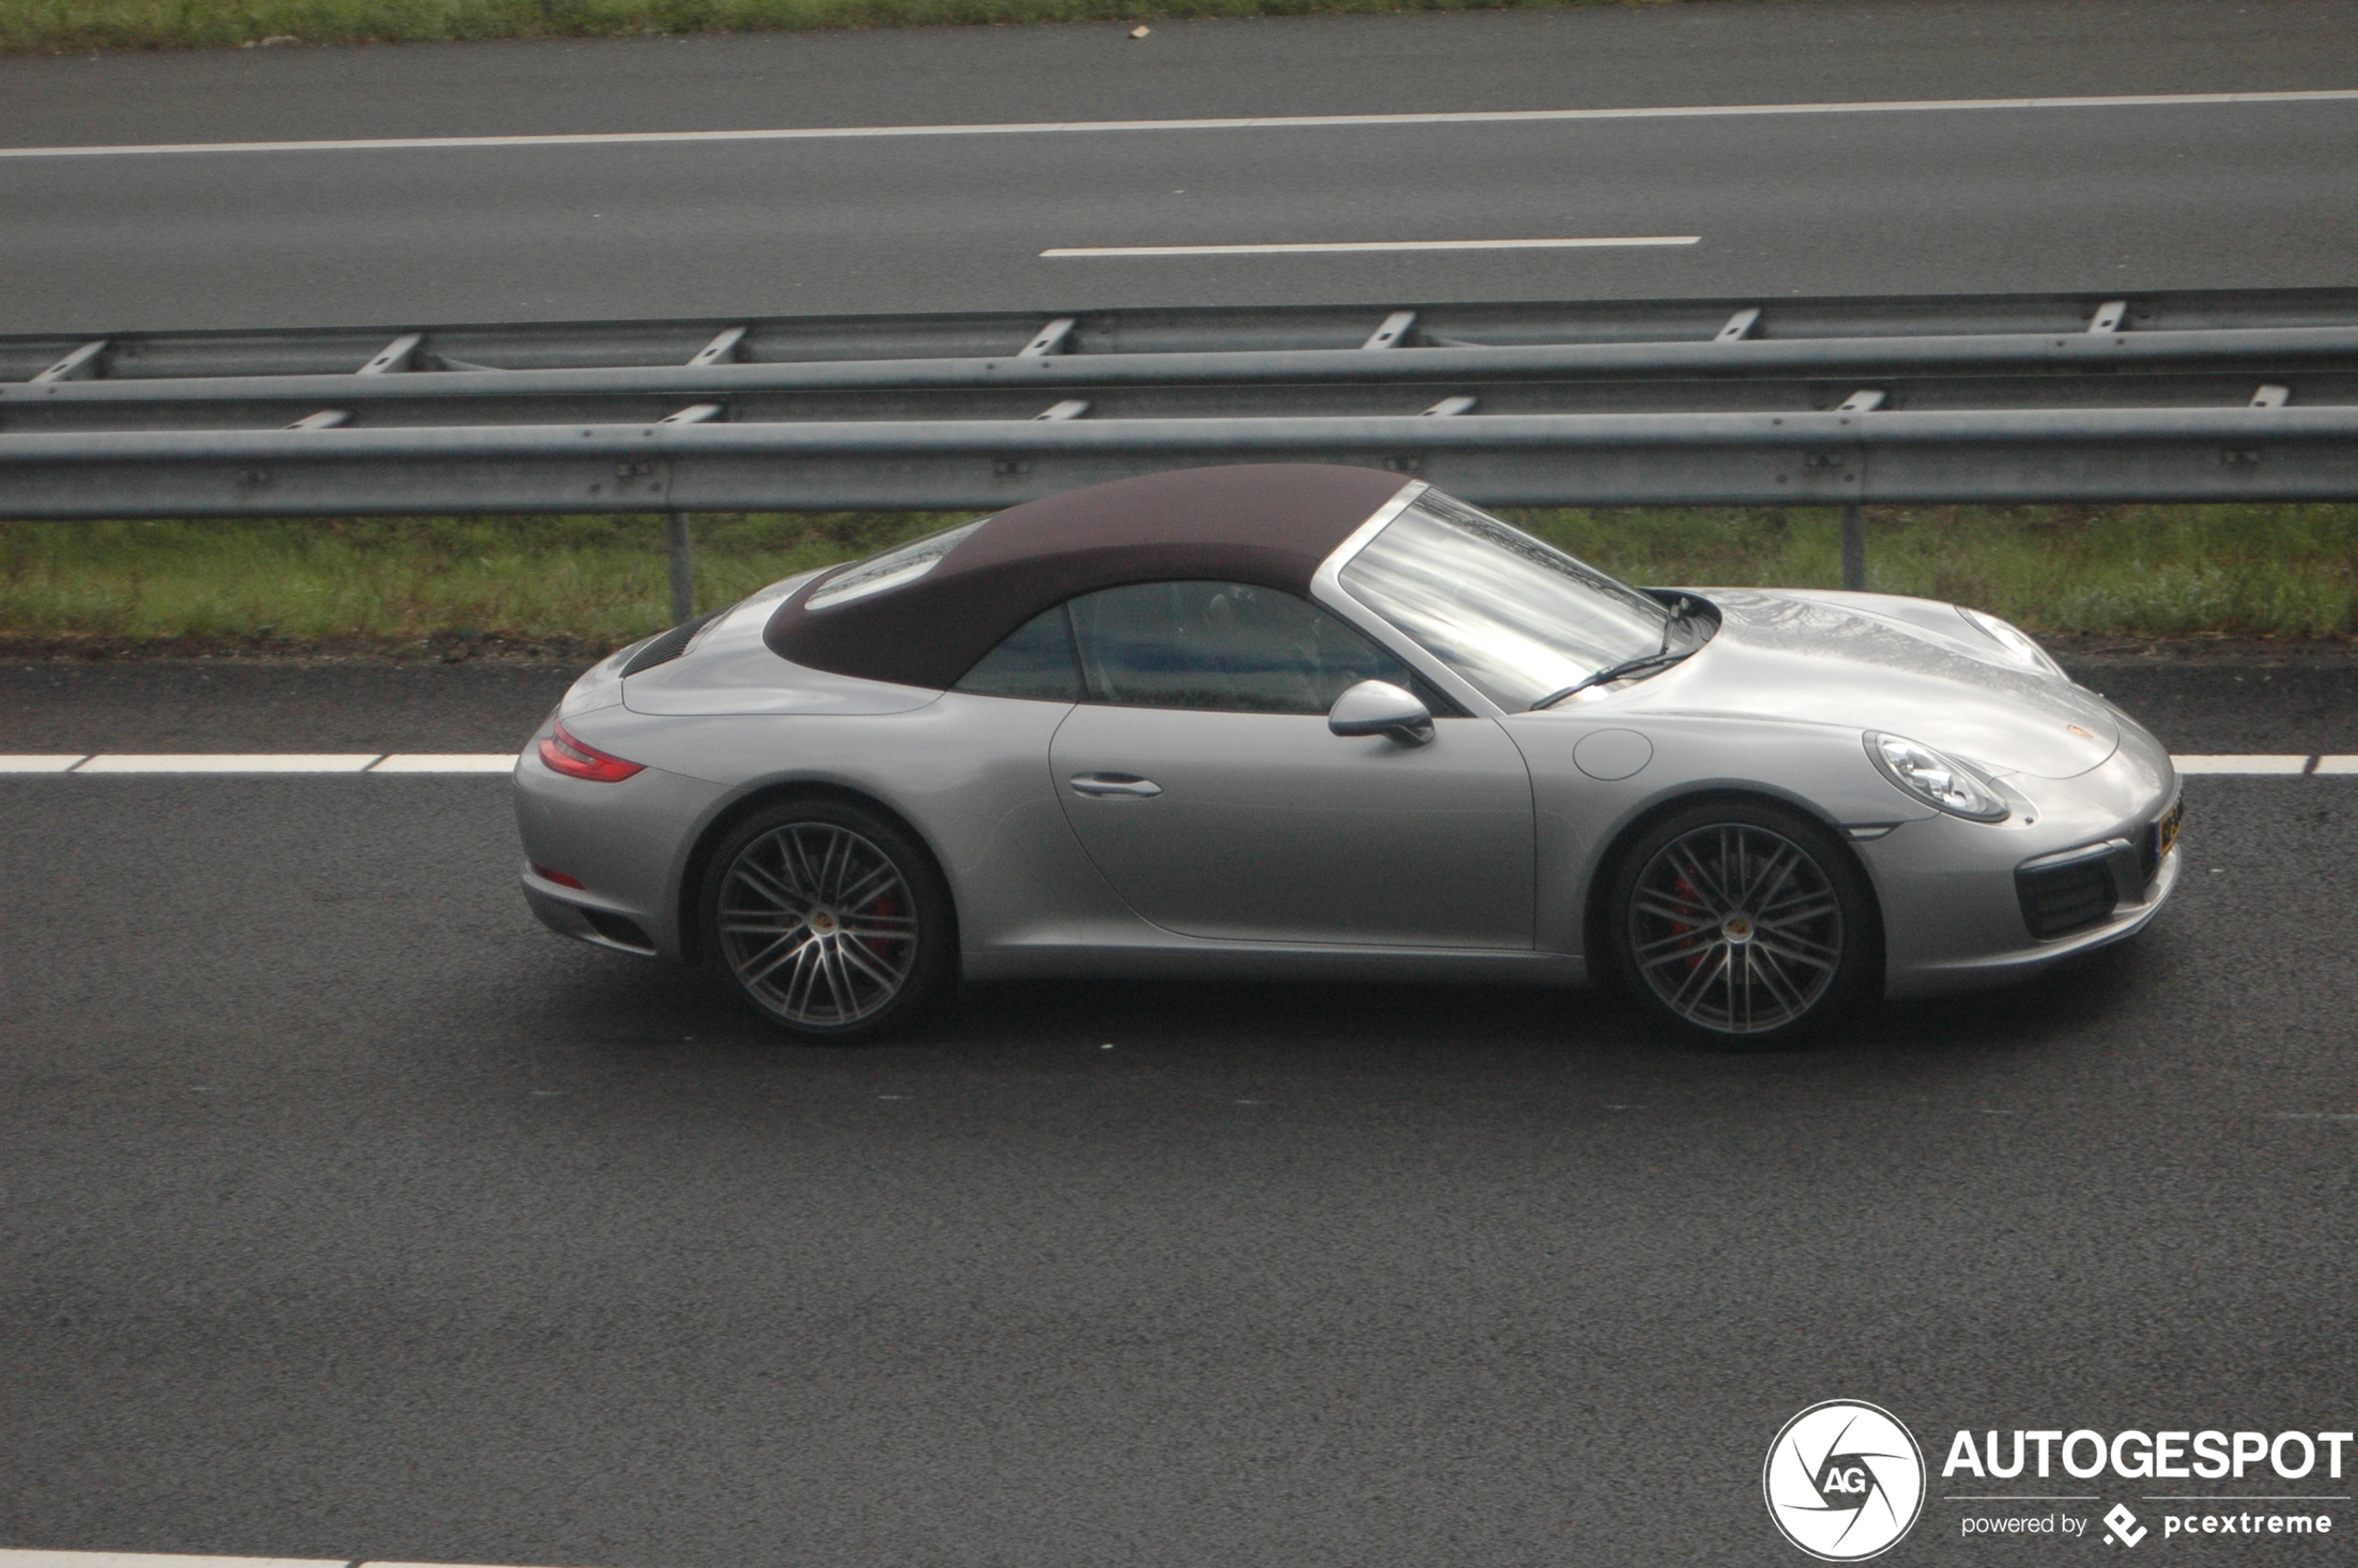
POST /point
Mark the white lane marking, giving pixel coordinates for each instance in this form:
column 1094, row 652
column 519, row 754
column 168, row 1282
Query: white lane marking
column 503, row 761
column 1329, row 246
column 156, row 1560
column 287, row 762
column 230, row 763
column 17, row 1559
column 2241, row 764
column 447, row 762
column 1250, row 122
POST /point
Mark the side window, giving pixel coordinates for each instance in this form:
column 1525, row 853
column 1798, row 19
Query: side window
column 1220, row 646
column 1035, row 661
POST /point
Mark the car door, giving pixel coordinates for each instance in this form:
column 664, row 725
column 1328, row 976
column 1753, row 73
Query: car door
column 1201, row 779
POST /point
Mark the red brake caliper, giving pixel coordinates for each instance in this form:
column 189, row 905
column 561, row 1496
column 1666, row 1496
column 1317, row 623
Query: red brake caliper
column 886, row 904
column 1686, row 891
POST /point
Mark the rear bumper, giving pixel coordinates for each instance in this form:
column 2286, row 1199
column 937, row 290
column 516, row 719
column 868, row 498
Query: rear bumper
column 560, row 909
column 624, row 843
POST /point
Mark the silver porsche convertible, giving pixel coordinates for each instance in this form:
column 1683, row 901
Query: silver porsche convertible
column 1315, row 721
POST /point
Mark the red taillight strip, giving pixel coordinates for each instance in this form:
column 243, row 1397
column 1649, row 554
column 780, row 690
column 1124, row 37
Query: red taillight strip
column 566, row 753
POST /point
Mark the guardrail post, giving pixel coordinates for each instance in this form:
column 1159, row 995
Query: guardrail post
column 684, row 573
column 1854, row 548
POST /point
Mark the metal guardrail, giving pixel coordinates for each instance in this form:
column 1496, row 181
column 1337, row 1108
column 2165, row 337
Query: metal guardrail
column 484, row 390
column 1189, row 329
column 1769, row 460
column 2195, row 396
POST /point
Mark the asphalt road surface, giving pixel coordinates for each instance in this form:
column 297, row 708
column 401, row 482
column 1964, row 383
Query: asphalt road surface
column 349, row 1214
column 2070, row 199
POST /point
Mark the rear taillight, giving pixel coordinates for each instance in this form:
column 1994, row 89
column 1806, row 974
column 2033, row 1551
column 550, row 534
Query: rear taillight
column 566, row 753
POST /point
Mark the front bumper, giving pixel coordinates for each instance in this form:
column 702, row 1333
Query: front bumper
column 2128, row 917
column 1960, row 898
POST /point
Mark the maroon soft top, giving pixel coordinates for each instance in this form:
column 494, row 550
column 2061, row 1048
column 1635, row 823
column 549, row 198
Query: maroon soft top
column 1267, row 524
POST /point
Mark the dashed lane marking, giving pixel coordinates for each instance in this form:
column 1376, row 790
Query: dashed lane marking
column 1258, row 123
column 156, row 1560
column 261, row 762
column 60, row 763
column 2242, row 764
column 1345, row 247
column 207, row 762
column 9, row 1559
column 447, row 762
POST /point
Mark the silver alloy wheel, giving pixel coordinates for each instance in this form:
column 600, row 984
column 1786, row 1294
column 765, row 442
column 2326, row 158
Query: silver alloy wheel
column 1737, row 929
column 818, row 925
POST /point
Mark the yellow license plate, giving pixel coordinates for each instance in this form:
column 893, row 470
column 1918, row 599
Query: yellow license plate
column 2166, row 831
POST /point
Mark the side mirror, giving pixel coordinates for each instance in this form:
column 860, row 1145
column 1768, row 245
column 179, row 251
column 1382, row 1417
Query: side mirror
column 1379, row 708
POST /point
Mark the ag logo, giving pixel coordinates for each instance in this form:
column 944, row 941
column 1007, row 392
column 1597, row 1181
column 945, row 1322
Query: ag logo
column 1844, row 1480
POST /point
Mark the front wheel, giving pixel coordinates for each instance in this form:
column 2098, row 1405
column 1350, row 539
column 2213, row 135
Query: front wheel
column 1744, row 924
column 830, row 921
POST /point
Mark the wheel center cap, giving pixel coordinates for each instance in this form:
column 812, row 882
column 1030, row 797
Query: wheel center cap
column 1736, row 929
column 824, row 923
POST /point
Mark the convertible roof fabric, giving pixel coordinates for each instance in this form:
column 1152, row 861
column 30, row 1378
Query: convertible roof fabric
column 1267, row 524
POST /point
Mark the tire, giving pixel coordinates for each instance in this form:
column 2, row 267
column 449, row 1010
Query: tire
column 830, row 922
column 1742, row 924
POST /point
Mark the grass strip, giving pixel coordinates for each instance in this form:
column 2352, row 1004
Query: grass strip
column 2140, row 572
column 64, row 25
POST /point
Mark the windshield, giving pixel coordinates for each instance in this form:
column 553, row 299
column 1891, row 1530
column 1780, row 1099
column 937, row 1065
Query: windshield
column 1519, row 619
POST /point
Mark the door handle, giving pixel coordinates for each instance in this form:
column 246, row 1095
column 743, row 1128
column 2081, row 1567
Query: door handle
column 1104, row 784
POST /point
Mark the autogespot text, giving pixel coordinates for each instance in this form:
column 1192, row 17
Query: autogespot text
column 2137, row 1456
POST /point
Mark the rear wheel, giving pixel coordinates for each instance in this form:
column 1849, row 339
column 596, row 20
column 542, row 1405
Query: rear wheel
column 830, row 922
column 1744, row 924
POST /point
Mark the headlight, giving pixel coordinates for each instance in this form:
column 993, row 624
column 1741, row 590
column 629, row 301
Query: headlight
column 1935, row 779
column 2014, row 640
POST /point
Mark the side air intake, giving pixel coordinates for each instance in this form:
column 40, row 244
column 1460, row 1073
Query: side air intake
column 2063, row 898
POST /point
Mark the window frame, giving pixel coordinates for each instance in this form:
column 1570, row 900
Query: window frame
column 1327, row 589
column 1327, row 592
column 1063, row 612
column 1439, row 700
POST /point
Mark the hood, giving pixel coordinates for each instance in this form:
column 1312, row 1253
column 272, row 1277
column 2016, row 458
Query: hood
column 1871, row 662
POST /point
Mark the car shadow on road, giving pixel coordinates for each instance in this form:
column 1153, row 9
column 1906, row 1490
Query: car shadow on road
column 1359, row 1029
